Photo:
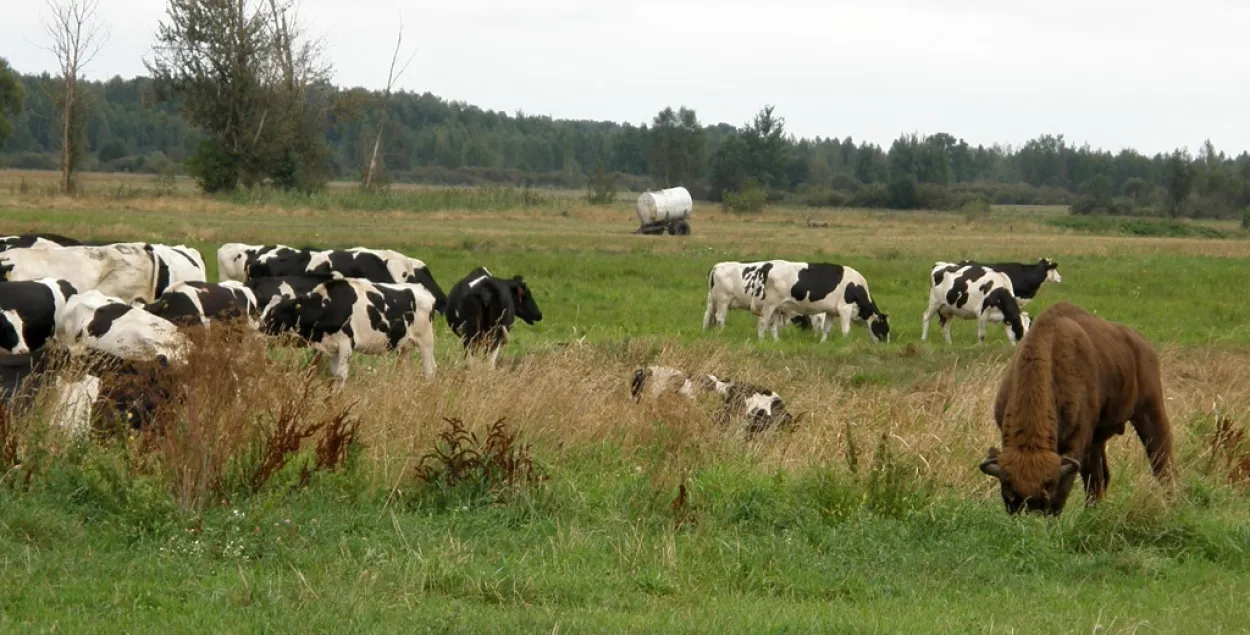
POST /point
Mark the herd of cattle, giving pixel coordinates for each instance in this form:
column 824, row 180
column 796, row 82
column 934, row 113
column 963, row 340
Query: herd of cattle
column 1068, row 390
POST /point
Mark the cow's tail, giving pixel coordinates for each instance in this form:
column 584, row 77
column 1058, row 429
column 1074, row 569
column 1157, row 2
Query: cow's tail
column 710, row 311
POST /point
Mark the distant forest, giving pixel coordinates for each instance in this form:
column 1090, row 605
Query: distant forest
column 430, row 139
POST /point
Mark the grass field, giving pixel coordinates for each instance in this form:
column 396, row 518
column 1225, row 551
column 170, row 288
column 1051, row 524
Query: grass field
column 870, row 516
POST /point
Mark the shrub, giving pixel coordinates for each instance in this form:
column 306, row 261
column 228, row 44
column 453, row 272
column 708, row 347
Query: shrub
column 214, row 169
column 903, row 192
column 1245, row 218
column 824, row 197
column 872, row 195
column 749, row 199
column 461, row 467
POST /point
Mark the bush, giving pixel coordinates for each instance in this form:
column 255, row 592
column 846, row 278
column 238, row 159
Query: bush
column 903, row 192
column 749, row 199
column 872, row 195
column 824, row 197
column 214, row 169
column 934, row 196
column 845, row 183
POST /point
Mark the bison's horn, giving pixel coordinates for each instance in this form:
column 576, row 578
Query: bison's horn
column 1068, row 466
column 990, row 466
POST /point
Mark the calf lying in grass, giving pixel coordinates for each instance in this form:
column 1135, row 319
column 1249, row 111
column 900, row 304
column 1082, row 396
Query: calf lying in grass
column 760, row 407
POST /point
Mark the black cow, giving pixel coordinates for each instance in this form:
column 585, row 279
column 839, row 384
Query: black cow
column 197, row 303
column 482, row 308
column 1026, row 279
column 29, row 311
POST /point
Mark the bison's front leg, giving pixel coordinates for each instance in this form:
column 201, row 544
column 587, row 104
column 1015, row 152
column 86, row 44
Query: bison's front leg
column 1095, row 473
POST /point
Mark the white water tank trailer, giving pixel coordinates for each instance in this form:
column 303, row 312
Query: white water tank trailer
column 665, row 210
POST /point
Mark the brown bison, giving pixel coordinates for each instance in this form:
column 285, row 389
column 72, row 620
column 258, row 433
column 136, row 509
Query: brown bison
column 1073, row 383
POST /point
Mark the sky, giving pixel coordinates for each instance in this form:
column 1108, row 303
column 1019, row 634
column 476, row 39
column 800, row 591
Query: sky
column 1143, row 74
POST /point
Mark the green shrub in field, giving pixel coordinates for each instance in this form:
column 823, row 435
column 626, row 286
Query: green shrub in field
column 749, row 199
column 872, row 195
column 1245, row 218
column 1137, row 227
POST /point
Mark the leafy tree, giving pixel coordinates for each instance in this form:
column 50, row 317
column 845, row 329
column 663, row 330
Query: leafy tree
column 767, row 148
column 676, row 147
column 1095, row 196
column 729, row 166
column 1179, row 181
column 1138, row 189
column 245, row 74
column 12, row 98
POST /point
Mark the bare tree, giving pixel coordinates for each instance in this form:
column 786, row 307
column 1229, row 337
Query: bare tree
column 391, row 78
column 76, row 35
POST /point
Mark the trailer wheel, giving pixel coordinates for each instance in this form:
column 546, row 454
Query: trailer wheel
column 679, row 228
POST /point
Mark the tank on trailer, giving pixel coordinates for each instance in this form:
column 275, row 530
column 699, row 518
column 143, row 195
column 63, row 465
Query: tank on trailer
column 667, row 210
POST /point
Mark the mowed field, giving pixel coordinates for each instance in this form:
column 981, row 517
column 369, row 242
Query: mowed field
column 869, row 516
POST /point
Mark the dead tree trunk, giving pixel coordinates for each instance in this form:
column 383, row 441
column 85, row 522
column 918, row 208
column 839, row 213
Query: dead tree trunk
column 391, row 78
column 75, row 36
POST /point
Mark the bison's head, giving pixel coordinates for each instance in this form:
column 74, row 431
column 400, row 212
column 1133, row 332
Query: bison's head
column 1032, row 481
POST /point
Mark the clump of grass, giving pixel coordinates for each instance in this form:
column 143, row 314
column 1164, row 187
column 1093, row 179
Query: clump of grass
column 1155, row 228
column 460, row 463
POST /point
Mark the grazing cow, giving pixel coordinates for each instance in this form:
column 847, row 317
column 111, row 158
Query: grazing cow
column 483, row 308
column 760, row 407
column 36, row 241
column 656, row 380
column 1026, row 279
column 77, row 402
column 346, row 315
column 374, row 265
column 234, row 259
column 740, row 285
column 29, row 311
column 267, row 290
column 124, row 270
column 94, row 321
column 972, row 291
column 197, row 303
column 175, row 264
column 1074, row 382
column 811, row 288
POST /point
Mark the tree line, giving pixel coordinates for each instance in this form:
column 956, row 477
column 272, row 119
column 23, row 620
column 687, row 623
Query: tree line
column 237, row 98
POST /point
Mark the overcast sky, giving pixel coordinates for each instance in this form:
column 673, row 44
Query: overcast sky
column 1147, row 74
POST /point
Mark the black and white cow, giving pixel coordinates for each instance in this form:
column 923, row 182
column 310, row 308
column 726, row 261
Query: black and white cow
column 656, row 380
column 124, row 270
column 29, row 311
column 1026, row 279
column 811, row 288
column 740, row 285
column 347, row 315
column 481, row 309
column 234, row 259
column 973, row 292
column 198, row 303
column 93, row 321
column 760, row 407
column 268, row 290
column 27, row 241
column 374, row 265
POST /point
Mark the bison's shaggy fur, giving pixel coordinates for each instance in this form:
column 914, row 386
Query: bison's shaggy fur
column 1072, row 385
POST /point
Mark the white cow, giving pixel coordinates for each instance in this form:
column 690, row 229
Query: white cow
column 99, row 322
column 812, row 288
column 973, row 292
column 124, row 270
column 740, row 285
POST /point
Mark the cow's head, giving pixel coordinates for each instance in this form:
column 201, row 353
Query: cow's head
column 288, row 314
column 879, row 326
column 526, row 308
column 6, row 269
column 11, row 339
column 1034, row 481
column 1052, row 270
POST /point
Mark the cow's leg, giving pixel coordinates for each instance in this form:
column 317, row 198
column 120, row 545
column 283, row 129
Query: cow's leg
column 845, row 314
column 424, row 337
column 982, row 322
column 826, row 327
column 928, row 316
column 709, row 316
column 498, row 338
column 945, row 321
column 766, row 319
column 338, row 356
